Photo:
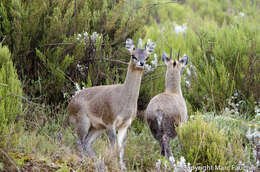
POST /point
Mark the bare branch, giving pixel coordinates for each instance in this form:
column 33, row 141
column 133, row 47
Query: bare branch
column 10, row 159
column 19, row 96
column 152, row 77
column 110, row 60
column 158, row 3
column 69, row 43
column 3, row 39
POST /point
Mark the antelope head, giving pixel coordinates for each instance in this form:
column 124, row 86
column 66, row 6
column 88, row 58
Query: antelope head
column 174, row 69
column 139, row 56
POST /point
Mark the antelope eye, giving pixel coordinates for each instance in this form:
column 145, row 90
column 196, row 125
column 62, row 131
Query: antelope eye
column 133, row 56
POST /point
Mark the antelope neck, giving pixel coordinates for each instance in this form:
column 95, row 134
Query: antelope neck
column 132, row 84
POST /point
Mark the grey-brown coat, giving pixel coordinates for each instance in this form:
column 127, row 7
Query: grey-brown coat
column 109, row 108
column 167, row 110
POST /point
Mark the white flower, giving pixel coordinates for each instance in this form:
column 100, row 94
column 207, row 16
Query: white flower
column 180, row 28
column 241, row 14
column 148, row 67
column 171, row 159
column 94, row 36
column 85, row 34
column 163, row 29
column 158, row 164
column 188, row 72
column 155, row 61
column 182, row 160
column 79, row 37
column 226, row 109
column 77, row 88
column 187, row 82
column 65, row 95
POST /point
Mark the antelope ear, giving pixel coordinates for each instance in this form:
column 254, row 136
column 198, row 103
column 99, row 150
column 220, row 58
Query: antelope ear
column 129, row 44
column 165, row 58
column 184, row 60
column 149, row 46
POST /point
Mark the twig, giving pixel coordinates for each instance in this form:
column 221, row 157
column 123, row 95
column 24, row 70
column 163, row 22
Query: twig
column 68, row 43
column 160, row 3
column 155, row 4
column 3, row 39
column 152, row 77
column 111, row 60
column 21, row 97
column 10, row 159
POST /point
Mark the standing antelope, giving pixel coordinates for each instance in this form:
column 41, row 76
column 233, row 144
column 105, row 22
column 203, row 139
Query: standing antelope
column 109, row 108
column 167, row 110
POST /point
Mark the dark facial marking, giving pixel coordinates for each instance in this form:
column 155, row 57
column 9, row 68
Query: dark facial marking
column 133, row 56
column 174, row 63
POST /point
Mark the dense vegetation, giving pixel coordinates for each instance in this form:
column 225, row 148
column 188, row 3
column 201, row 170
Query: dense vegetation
column 51, row 48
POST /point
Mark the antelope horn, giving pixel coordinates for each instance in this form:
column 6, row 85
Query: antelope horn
column 178, row 55
column 171, row 54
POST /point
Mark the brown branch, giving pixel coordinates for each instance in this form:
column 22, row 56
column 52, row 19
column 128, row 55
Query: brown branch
column 13, row 95
column 152, row 77
column 110, row 60
column 3, row 39
column 160, row 3
column 21, row 97
column 10, row 159
column 69, row 43
column 156, row 4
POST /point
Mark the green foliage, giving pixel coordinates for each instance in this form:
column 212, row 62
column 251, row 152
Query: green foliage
column 43, row 41
column 204, row 144
column 10, row 102
column 223, row 54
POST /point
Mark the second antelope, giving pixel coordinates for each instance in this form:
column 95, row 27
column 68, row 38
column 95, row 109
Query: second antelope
column 167, row 110
column 110, row 108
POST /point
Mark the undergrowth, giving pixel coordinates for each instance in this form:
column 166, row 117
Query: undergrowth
column 51, row 145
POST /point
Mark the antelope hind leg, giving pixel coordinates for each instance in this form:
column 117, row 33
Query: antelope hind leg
column 81, row 126
column 111, row 133
column 93, row 134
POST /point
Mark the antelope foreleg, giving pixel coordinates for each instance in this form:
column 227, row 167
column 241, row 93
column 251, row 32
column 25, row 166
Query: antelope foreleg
column 120, row 141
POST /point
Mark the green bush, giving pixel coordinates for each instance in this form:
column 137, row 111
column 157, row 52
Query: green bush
column 203, row 144
column 10, row 100
column 223, row 55
column 49, row 57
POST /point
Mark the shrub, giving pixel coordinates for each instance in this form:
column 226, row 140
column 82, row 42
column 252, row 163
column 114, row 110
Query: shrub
column 203, row 144
column 45, row 48
column 223, row 59
column 10, row 101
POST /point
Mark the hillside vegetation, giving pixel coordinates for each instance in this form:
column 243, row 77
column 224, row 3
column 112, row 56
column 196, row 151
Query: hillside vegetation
column 49, row 49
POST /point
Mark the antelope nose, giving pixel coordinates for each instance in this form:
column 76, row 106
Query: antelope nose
column 141, row 63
